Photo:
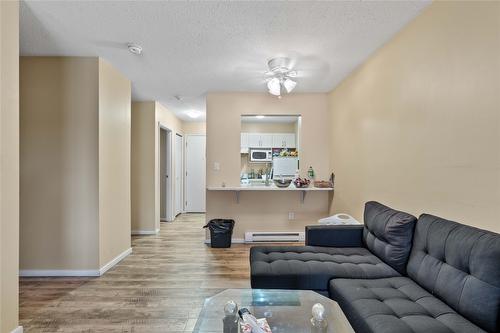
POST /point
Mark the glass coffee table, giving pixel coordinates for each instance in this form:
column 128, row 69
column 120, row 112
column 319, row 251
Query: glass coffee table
column 285, row 310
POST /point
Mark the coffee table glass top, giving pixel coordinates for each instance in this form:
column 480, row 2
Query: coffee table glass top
column 286, row 310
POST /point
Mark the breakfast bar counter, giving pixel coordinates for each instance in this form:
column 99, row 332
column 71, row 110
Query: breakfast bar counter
column 249, row 187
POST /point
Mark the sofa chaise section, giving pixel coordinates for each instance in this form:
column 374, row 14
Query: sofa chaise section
column 343, row 251
column 312, row 267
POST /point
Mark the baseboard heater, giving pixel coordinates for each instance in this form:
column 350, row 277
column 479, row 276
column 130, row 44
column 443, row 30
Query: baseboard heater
column 262, row 237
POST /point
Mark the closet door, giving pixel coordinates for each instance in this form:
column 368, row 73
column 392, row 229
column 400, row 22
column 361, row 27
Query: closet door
column 195, row 173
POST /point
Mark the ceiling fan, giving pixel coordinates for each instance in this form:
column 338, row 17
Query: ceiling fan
column 280, row 76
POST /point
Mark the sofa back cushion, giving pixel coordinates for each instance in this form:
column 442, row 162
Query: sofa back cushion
column 460, row 265
column 388, row 234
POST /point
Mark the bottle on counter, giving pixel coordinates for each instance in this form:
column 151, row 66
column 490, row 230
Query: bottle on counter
column 310, row 173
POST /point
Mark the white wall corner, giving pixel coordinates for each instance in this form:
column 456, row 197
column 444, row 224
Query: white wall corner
column 114, row 261
column 18, row 329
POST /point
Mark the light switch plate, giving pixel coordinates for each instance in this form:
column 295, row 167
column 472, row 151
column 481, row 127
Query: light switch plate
column 216, row 166
column 291, row 216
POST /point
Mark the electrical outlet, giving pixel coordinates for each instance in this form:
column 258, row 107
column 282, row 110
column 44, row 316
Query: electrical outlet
column 216, row 166
column 291, row 216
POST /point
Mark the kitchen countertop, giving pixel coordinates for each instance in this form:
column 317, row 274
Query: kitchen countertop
column 245, row 187
column 273, row 188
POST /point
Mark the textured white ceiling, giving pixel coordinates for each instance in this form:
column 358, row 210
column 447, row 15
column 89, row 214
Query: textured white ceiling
column 191, row 48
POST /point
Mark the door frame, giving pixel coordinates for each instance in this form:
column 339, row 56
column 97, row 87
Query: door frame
column 170, row 214
column 186, row 136
column 183, row 173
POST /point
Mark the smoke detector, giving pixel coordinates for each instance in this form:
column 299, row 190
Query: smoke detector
column 134, row 48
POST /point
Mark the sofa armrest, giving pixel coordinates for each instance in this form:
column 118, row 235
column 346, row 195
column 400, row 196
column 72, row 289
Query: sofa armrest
column 335, row 235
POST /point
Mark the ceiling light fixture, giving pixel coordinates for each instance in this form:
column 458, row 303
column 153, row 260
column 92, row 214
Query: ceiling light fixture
column 193, row 114
column 260, row 117
column 280, row 73
column 289, row 85
column 134, row 48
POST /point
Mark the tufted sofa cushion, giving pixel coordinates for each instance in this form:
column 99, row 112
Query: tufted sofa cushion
column 396, row 305
column 460, row 265
column 310, row 267
column 388, row 234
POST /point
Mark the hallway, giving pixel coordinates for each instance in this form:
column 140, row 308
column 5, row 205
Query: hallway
column 160, row 287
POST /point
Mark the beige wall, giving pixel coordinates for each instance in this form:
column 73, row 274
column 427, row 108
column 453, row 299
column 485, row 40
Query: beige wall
column 189, row 127
column 269, row 211
column 251, row 127
column 114, row 162
column 59, row 163
column 144, row 125
column 418, row 125
column 75, row 163
column 9, row 164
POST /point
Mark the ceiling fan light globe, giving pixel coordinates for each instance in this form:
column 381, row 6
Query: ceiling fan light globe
column 275, row 92
column 289, row 85
column 273, row 84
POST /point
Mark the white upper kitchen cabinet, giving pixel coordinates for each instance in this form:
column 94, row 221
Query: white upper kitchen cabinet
column 284, row 140
column 278, row 140
column 254, row 140
column 266, row 140
column 244, row 141
column 289, row 139
column 260, row 140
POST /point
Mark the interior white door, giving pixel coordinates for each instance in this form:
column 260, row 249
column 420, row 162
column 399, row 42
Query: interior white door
column 195, row 173
column 178, row 174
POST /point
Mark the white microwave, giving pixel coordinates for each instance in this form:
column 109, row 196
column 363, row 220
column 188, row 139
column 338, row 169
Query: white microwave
column 261, row 155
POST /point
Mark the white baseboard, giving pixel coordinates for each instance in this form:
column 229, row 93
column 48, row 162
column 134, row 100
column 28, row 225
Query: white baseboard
column 57, row 272
column 74, row 272
column 19, row 329
column 145, row 232
column 234, row 241
column 114, row 261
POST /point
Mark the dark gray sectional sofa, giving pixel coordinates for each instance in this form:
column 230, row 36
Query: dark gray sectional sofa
column 394, row 274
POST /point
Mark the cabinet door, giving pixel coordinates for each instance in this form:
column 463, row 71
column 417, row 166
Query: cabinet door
column 254, row 140
column 266, row 140
column 289, row 139
column 244, row 140
column 278, row 140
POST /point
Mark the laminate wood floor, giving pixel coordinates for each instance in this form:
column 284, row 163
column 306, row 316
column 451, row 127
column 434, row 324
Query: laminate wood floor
column 160, row 287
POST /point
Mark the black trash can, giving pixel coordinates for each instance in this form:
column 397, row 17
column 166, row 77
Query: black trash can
column 221, row 231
